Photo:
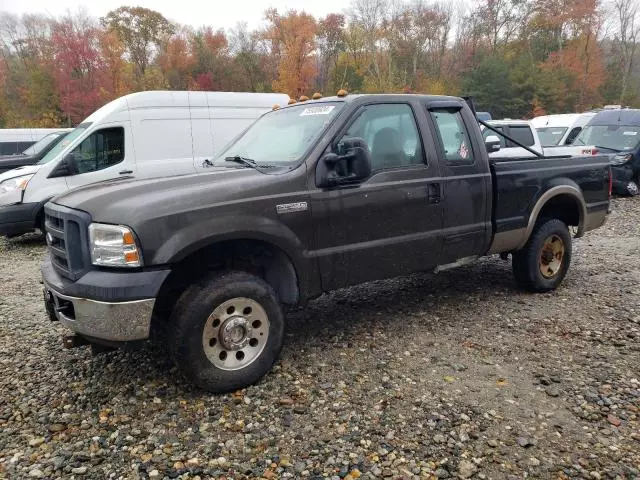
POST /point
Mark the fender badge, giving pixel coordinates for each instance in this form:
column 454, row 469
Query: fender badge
column 292, row 207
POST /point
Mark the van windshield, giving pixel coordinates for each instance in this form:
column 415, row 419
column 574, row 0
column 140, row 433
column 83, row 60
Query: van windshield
column 62, row 144
column 41, row 144
column 613, row 137
column 551, row 136
column 281, row 137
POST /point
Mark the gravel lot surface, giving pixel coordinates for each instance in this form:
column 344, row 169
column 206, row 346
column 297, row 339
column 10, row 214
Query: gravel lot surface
column 458, row 375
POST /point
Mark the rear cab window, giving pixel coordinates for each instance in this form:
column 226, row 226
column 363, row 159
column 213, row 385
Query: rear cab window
column 521, row 133
column 453, row 134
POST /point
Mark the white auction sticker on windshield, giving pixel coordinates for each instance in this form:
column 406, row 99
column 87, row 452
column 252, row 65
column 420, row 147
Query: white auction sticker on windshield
column 629, row 133
column 319, row 110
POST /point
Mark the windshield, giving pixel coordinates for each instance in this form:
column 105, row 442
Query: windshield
column 614, row 137
column 62, row 144
column 281, row 137
column 41, row 144
column 551, row 136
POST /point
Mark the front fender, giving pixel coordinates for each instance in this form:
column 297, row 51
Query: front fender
column 192, row 238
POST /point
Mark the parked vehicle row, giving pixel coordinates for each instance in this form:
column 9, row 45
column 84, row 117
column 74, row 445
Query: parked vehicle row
column 614, row 133
column 562, row 129
column 142, row 135
column 311, row 197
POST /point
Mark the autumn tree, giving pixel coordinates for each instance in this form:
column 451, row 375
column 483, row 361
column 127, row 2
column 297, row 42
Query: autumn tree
column 177, row 61
column 245, row 51
column 628, row 22
column 118, row 80
column 211, row 50
column 293, row 34
column 330, row 42
column 80, row 70
column 141, row 31
column 369, row 18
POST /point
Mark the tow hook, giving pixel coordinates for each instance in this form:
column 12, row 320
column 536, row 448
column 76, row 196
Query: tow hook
column 73, row 341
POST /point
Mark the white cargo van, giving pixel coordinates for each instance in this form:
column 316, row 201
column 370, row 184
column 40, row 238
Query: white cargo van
column 562, row 129
column 142, row 135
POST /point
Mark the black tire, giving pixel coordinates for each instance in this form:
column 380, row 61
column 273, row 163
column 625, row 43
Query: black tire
column 191, row 316
column 633, row 187
column 528, row 262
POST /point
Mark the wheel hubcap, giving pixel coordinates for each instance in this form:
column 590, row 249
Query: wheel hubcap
column 551, row 256
column 632, row 188
column 235, row 333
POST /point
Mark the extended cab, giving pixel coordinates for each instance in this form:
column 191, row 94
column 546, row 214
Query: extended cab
column 313, row 197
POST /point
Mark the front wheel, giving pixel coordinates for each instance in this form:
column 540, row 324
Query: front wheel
column 543, row 262
column 226, row 332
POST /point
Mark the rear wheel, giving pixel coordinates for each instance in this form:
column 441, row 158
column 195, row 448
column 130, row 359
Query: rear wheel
column 226, row 332
column 632, row 187
column 544, row 261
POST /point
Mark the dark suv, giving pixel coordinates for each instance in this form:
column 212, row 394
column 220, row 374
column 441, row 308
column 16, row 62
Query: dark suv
column 617, row 133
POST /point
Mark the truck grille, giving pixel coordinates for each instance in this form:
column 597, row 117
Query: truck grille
column 67, row 240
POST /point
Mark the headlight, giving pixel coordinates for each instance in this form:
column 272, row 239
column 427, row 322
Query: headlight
column 113, row 246
column 15, row 183
column 620, row 158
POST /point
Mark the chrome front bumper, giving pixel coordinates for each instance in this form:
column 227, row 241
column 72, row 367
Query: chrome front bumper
column 112, row 321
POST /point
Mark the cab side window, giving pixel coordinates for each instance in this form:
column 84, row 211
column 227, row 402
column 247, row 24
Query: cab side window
column 99, row 150
column 454, row 135
column 391, row 133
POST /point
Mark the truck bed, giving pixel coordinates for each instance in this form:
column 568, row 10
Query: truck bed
column 520, row 184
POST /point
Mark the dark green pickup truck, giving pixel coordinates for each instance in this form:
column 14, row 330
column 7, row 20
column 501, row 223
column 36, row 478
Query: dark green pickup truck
column 313, row 197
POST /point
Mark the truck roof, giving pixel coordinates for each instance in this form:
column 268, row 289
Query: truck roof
column 353, row 97
column 508, row 122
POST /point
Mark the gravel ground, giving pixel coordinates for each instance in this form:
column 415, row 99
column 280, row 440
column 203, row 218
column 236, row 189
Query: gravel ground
column 457, row 375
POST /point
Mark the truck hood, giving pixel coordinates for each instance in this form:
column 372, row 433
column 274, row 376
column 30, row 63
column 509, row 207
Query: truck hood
column 9, row 162
column 17, row 172
column 131, row 201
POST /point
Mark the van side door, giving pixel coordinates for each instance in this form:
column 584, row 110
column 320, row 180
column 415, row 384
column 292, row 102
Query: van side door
column 466, row 181
column 162, row 138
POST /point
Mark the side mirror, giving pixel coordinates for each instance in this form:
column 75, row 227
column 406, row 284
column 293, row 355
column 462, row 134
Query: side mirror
column 492, row 142
column 349, row 168
column 66, row 167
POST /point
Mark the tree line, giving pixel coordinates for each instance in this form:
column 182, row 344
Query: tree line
column 518, row 58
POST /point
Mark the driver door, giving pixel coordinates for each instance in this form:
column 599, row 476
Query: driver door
column 389, row 224
column 105, row 154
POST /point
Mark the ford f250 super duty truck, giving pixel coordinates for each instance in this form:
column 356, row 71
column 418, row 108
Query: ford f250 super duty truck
column 313, row 197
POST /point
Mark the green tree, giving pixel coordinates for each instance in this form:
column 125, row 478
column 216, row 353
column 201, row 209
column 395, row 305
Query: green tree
column 141, row 31
column 491, row 85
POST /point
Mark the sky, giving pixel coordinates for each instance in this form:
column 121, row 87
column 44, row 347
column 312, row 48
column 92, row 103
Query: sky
column 216, row 13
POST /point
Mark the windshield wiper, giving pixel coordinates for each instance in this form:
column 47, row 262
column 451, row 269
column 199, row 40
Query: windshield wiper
column 249, row 162
column 608, row 148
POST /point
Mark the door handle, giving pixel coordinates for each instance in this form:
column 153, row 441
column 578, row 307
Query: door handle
column 434, row 193
column 125, row 172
